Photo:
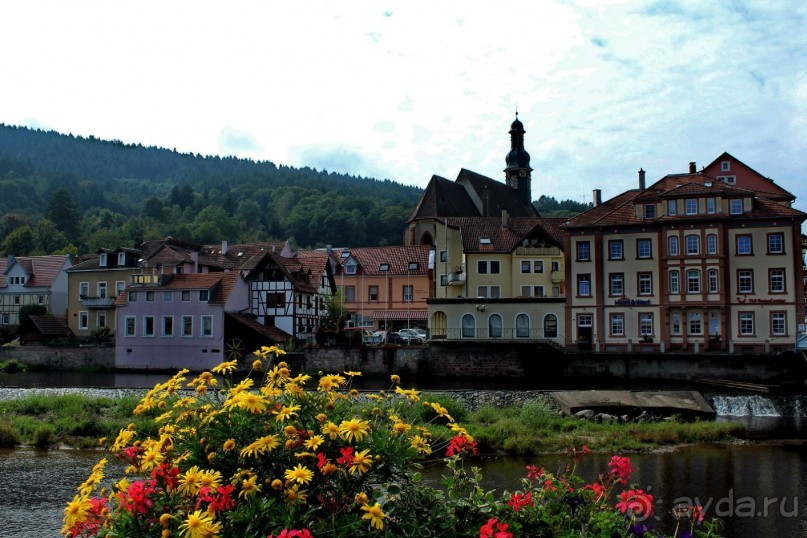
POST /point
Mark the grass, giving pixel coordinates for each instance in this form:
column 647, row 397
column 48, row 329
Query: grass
column 534, row 428
column 12, row 366
column 67, row 420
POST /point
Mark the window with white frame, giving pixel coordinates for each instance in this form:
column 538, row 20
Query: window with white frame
column 538, row 266
column 695, row 323
column 744, row 245
column 617, row 324
column 495, row 326
column 675, row 324
column 776, row 280
column 691, row 206
column 672, row 245
column 132, row 296
column 17, row 300
column 83, row 290
column 120, row 285
column 526, row 291
column 168, row 296
column 443, row 255
column 168, row 326
column 711, row 205
column 675, row 282
column 187, row 326
column 185, row 296
column 537, row 291
column 83, row 320
column 148, row 325
column 616, row 284
column 728, row 180
column 100, row 319
column 121, row 258
column 102, row 260
column 711, row 244
column 746, row 323
column 745, row 281
column 712, row 280
column 645, row 283
column 671, row 207
column 693, row 281
column 550, row 326
column 488, row 292
column 725, row 166
column 150, row 296
column 350, row 268
column 522, row 326
column 444, row 280
column 584, row 285
column 693, row 244
column 585, row 320
column 736, row 206
column 650, row 211
column 525, row 266
column 583, row 251
column 495, row 267
column 204, row 296
column 129, row 324
column 776, row 243
column 645, row 324
column 643, row 248
column 372, row 294
column 408, row 293
column 556, row 266
column 615, row 250
column 207, row 326
column 778, row 323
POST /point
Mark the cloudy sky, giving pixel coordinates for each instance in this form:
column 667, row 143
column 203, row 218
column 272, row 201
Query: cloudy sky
column 407, row 89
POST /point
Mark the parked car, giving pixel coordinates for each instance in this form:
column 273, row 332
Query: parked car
column 409, row 336
column 414, row 333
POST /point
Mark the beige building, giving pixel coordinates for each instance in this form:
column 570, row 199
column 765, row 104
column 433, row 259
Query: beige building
column 707, row 260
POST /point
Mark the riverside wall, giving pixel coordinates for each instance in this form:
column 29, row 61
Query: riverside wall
column 60, row 358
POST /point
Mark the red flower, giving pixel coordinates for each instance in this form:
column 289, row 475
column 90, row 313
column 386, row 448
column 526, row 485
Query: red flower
column 620, row 467
column 696, row 514
column 534, row 472
column 500, row 531
column 598, row 490
column 461, row 445
column 293, row 533
column 321, row 460
column 346, row 458
column 519, row 500
column 636, row 502
column 168, row 474
column 135, row 499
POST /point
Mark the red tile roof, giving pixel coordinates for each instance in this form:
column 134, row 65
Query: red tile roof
column 398, row 258
column 220, row 284
column 41, row 270
column 51, row 325
column 506, row 239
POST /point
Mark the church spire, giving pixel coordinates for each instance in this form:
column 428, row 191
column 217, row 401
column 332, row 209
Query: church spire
column 518, row 173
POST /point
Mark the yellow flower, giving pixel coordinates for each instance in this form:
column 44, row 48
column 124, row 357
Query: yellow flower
column 294, row 495
column 165, row 519
column 201, row 390
column 412, row 394
column 210, row 479
column 314, row 442
column 290, row 431
column 351, row 373
column 76, row 511
column 395, row 379
column 249, row 486
column 361, row 498
column 331, row 430
column 354, row 429
column 198, row 525
column 285, row 412
column 277, row 484
column 400, row 427
column 249, row 401
column 442, row 411
column 189, row 482
column 328, row 469
column 299, row 474
column 354, row 393
column 259, row 446
column 361, row 462
column 151, row 457
column 257, row 364
column 229, row 444
column 321, row 417
column 375, row 515
column 226, row 367
column 421, row 445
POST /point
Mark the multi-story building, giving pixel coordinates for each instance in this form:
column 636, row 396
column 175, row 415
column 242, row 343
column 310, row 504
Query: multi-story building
column 384, row 288
column 707, row 260
column 32, row 280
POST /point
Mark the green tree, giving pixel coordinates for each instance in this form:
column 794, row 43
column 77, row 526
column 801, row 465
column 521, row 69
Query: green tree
column 153, row 208
column 211, row 225
column 20, row 242
column 332, row 315
column 29, row 310
column 13, row 220
column 47, row 238
column 64, row 212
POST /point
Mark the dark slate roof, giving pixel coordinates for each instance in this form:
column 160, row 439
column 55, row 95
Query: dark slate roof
column 301, row 276
column 500, row 197
column 444, row 198
column 506, row 239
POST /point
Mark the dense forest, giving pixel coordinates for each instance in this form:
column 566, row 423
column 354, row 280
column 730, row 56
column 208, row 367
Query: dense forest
column 64, row 193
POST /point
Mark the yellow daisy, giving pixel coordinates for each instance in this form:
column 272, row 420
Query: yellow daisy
column 354, row 429
column 299, row 474
column 375, row 515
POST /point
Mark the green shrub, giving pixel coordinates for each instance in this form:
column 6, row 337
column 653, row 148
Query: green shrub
column 9, row 437
column 45, row 437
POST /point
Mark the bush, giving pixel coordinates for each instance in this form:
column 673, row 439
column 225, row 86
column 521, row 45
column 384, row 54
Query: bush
column 9, row 437
column 284, row 460
column 44, row 437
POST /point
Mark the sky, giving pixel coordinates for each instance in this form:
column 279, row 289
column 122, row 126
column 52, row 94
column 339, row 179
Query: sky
column 409, row 89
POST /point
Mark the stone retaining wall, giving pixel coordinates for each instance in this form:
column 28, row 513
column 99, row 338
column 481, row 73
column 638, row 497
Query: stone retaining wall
column 60, row 358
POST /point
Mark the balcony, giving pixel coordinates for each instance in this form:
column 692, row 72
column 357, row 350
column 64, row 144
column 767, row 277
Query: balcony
column 97, row 302
column 455, row 279
column 558, row 276
column 538, row 251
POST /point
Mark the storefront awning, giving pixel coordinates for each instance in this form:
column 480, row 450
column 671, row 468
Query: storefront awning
column 400, row 314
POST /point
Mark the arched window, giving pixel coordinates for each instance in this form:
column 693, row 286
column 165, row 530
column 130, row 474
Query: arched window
column 522, row 326
column 495, row 326
column 550, row 326
column 426, row 239
column 468, row 326
column 673, row 245
column 439, row 323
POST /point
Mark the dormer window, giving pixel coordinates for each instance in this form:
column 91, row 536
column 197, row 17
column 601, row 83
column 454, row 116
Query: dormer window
column 384, row 267
column 350, row 269
column 736, row 206
column 650, row 211
column 121, row 258
column 484, row 240
column 413, row 266
column 102, row 260
column 671, row 207
column 691, row 206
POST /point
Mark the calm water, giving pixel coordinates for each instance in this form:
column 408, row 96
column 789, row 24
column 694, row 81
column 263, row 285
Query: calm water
column 736, row 481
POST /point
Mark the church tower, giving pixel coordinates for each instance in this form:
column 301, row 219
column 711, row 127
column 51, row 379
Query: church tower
column 518, row 173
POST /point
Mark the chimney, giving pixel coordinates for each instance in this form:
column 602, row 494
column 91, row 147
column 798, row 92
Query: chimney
column 692, row 167
column 505, row 218
column 223, row 247
column 641, row 179
column 597, row 197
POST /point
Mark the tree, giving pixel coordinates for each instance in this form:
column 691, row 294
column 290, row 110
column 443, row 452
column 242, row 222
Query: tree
column 64, row 212
column 20, row 242
column 47, row 238
column 153, row 208
column 29, row 310
column 332, row 317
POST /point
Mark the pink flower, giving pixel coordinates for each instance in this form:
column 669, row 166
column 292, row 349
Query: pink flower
column 500, row 531
column 620, row 468
column 293, row 533
column 519, row 500
column 534, row 472
column 636, row 502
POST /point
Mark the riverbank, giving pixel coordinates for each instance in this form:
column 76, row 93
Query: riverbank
column 503, row 422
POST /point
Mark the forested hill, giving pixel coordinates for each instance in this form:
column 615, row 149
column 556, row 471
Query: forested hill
column 67, row 192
